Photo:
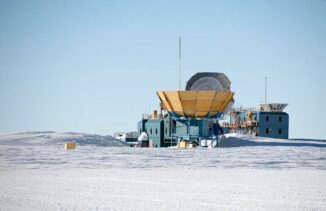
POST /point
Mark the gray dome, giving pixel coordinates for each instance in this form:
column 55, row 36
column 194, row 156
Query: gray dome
column 209, row 81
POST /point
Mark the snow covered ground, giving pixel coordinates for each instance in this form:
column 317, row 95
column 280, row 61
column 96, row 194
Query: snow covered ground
column 245, row 173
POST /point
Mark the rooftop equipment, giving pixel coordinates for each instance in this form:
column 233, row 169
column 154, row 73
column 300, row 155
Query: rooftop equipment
column 273, row 107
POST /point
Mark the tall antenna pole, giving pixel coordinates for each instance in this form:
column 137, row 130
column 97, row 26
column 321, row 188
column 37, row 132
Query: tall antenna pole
column 265, row 89
column 180, row 63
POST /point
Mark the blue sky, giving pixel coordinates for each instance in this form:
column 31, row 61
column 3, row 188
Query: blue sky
column 94, row 66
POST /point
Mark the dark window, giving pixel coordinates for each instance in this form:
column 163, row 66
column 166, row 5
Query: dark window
column 139, row 130
column 166, row 130
column 280, row 119
column 267, row 130
column 174, row 126
column 151, row 131
column 267, row 118
column 156, row 131
column 279, row 131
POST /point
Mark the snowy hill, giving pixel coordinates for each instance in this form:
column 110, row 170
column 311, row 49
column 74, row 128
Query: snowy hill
column 238, row 140
column 46, row 138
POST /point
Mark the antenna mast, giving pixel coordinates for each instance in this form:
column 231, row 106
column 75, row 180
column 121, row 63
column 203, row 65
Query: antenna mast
column 180, row 63
column 265, row 89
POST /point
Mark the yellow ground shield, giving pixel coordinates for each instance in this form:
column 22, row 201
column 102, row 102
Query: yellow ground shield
column 195, row 104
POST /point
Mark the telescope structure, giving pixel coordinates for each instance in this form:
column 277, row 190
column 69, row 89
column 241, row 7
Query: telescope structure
column 190, row 115
column 196, row 115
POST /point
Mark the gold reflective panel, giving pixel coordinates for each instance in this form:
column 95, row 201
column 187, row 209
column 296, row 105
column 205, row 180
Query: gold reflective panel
column 195, row 104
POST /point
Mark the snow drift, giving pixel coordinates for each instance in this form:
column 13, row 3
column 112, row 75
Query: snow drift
column 238, row 140
column 42, row 138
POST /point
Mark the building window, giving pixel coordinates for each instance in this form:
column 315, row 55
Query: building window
column 151, row 131
column 267, row 130
column 139, row 130
column 166, row 130
column 174, row 126
column 280, row 119
column 267, row 118
column 155, row 130
column 279, row 131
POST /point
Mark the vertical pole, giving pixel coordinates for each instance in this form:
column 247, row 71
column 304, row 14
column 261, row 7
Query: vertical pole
column 188, row 129
column 265, row 90
column 180, row 63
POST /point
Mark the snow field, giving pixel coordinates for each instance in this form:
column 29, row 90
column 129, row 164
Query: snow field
column 245, row 173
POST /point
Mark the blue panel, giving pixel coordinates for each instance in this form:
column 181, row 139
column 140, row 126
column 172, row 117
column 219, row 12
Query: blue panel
column 154, row 130
column 274, row 125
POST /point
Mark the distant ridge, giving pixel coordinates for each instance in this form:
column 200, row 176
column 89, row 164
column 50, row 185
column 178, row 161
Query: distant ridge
column 58, row 138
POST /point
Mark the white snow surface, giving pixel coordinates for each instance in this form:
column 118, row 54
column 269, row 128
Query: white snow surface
column 244, row 173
